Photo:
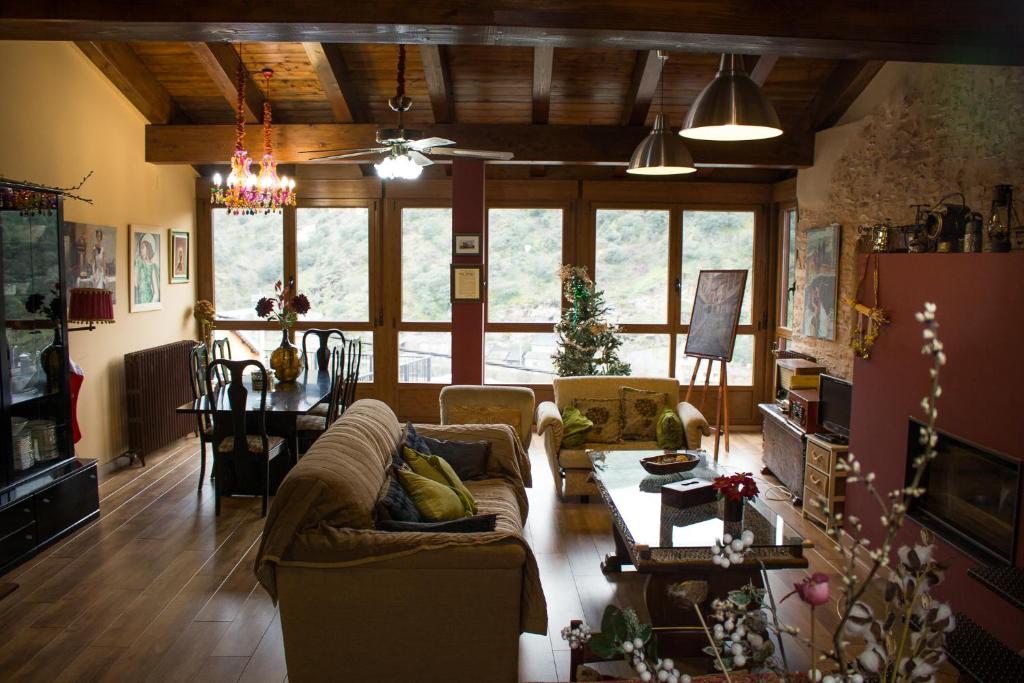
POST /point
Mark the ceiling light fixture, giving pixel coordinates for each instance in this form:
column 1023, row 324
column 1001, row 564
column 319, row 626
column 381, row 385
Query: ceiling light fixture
column 661, row 152
column 398, row 166
column 731, row 107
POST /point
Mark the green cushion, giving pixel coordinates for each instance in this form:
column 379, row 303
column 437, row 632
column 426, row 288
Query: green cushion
column 437, row 469
column 669, row 430
column 436, row 502
column 575, row 427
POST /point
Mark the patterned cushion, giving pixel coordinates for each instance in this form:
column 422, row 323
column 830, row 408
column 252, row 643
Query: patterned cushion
column 606, row 414
column 640, row 412
column 253, row 441
column 311, row 423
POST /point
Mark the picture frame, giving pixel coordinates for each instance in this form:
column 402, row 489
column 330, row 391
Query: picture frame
column 821, row 282
column 715, row 317
column 466, row 244
column 467, row 283
column 145, row 261
column 179, row 269
column 90, row 257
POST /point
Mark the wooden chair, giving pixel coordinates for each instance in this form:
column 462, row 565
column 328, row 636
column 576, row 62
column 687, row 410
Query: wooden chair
column 220, row 349
column 199, row 359
column 311, row 426
column 353, row 360
column 323, row 352
column 232, row 425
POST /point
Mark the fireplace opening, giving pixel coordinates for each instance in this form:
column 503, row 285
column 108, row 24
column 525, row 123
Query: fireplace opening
column 973, row 496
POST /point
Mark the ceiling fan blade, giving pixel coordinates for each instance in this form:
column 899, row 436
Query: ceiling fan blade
column 418, row 158
column 427, row 143
column 474, row 153
column 361, row 153
column 363, row 150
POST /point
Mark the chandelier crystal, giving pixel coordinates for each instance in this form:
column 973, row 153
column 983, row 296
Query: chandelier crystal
column 245, row 192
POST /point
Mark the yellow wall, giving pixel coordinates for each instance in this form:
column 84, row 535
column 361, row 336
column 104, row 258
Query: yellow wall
column 59, row 119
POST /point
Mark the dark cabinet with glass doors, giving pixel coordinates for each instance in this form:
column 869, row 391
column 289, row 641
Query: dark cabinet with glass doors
column 45, row 491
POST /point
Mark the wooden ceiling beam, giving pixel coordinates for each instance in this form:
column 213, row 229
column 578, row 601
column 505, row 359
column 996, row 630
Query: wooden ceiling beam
column 543, row 69
column 127, row 73
column 332, row 72
column 531, row 144
column 221, row 63
column 979, row 32
column 762, row 67
column 847, row 81
column 642, row 87
column 437, row 73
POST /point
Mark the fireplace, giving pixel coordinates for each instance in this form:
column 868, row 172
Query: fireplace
column 972, row 498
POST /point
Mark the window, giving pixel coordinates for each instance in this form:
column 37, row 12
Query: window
column 647, row 354
column 524, row 252
column 248, row 258
column 333, row 260
column 631, row 264
column 426, row 255
column 787, row 267
column 519, row 357
column 716, row 240
column 741, row 369
column 425, row 357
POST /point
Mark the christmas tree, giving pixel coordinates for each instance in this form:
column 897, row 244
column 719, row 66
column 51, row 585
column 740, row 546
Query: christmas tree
column 587, row 343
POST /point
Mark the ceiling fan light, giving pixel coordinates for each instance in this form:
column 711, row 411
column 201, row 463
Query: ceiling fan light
column 661, row 153
column 398, row 167
column 731, row 107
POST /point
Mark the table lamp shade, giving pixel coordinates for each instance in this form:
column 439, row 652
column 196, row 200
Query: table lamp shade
column 89, row 305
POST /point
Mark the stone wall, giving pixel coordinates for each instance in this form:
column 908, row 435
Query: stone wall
column 920, row 131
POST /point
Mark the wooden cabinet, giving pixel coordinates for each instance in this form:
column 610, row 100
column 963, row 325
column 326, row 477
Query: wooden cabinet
column 822, row 481
column 783, row 447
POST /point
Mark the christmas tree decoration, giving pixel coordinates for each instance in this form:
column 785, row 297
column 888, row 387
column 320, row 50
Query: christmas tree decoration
column 587, row 343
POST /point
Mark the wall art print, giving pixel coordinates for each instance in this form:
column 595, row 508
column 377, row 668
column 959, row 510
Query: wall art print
column 90, row 257
column 146, row 263
column 821, row 282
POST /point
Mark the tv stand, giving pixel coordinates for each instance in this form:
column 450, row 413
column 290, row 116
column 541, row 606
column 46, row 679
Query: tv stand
column 823, row 480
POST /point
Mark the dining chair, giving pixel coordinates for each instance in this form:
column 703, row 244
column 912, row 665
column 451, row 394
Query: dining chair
column 323, row 353
column 232, row 424
column 220, row 349
column 354, row 359
column 309, row 427
column 198, row 360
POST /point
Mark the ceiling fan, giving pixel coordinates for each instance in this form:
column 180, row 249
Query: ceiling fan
column 405, row 151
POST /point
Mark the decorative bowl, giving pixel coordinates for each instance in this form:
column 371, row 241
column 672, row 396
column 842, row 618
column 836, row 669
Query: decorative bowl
column 670, row 462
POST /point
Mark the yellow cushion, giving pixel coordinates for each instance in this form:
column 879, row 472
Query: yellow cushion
column 436, row 502
column 437, row 469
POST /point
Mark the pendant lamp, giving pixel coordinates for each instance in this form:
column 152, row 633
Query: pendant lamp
column 661, row 152
column 731, row 107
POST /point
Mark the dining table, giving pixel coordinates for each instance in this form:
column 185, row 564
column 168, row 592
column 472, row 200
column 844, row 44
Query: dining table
column 286, row 401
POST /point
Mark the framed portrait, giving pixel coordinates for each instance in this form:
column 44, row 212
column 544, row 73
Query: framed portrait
column 178, row 266
column 145, row 292
column 467, row 283
column 90, row 257
column 466, row 245
column 716, row 314
column 821, row 291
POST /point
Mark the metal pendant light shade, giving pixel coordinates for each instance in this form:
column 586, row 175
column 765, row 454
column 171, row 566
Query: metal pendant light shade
column 661, row 153
column 731, row 107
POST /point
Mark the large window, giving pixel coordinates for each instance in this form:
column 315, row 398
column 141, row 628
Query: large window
column 524, row 252
column 333, row 261
column 787, row 268
column 631, row 264
column 519, row 357
column 716, row 240
column 426, row 255
column 248, row 258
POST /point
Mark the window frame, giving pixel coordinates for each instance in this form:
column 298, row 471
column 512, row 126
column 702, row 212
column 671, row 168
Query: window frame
column 784, row 326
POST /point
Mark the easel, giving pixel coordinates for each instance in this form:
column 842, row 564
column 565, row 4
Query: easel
column 722, row 407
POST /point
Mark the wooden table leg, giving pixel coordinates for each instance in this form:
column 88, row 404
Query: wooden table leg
column 613, row 561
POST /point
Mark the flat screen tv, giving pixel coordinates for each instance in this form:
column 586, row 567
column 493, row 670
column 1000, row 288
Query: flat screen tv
column 836, row 397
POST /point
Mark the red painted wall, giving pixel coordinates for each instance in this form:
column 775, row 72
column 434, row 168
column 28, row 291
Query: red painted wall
column 468, row 318
column 980, row 299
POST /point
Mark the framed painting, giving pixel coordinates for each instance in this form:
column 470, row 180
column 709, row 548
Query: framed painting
column 90, row 257
column 467, row 283
column 466, row 245
column 145, row 291
column 820, row 284
column 716, row 314
column 178, row 267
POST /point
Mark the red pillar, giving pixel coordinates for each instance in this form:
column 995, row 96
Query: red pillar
column 468, row 317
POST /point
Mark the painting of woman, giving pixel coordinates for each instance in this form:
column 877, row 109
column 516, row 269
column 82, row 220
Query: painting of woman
column 145, row 285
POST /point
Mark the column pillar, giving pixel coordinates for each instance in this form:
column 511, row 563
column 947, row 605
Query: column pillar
column 468, row 317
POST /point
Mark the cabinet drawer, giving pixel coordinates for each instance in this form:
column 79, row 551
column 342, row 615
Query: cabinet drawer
column 811, row 508
column 819, row 458
column 16, row 544
column 15, row 516
column 66, row 502
column 816, row 482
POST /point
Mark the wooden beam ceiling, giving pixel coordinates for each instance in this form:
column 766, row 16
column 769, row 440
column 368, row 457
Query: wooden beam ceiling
column 543, row 69
column 762, row 67
column 437, row 74
column 127, row 73
column 329, row 64
column 221, row 63
column 533, row 144
column 643, row 85
column 848, row 80
column 982, row 31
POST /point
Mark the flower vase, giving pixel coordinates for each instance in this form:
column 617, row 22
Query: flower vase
column 732, row 510
column 52, row 360
column 286, row 361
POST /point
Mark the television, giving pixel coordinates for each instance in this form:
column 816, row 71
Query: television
column 836, row 397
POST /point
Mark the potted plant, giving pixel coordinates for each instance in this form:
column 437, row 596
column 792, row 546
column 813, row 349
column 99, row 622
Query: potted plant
column 284, row 308
column 733, row 490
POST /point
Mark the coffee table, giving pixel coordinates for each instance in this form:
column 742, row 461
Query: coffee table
column 673, row 545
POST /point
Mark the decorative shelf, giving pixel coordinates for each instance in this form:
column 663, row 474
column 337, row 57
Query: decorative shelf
column 1006, row 582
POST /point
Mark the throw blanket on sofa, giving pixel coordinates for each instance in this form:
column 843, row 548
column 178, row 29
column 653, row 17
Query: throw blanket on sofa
column 322, row 514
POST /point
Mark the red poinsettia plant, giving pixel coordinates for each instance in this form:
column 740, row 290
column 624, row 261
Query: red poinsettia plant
column 284, row 307
column 736, row 487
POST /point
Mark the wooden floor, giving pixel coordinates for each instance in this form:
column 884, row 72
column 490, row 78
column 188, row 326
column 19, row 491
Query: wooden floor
column 159, row 589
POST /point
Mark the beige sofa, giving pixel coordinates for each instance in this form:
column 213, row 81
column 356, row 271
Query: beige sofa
column 571, row 467
column 359, row 604
column 485, row 404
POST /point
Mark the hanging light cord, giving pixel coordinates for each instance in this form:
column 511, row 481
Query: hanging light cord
column 267, row 73
column 400, row 90
column 240, row 108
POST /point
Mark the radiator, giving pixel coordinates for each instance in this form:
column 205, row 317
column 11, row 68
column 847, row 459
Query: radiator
column 156, row 383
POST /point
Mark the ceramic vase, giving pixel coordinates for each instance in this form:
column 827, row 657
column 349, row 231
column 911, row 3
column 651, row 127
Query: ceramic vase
column 286, row 361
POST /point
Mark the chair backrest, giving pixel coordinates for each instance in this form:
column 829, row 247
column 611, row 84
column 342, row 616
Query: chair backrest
column 198, row 360
column 323, row 352
column 353, row 359
column 334, row 403
column 231, row 421
column 220, row 349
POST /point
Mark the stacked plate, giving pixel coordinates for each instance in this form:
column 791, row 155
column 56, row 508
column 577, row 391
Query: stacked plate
column 44, row 434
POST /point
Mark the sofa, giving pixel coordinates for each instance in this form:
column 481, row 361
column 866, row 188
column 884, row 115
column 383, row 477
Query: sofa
column 487, row 404
column 358, row 604
column 571, row 467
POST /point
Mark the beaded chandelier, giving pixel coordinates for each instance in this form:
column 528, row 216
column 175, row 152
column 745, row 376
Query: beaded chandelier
column 245, row 192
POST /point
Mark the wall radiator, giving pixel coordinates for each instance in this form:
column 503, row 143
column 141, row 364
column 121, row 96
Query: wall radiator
column 156, row 383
